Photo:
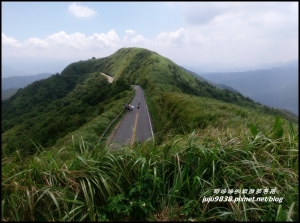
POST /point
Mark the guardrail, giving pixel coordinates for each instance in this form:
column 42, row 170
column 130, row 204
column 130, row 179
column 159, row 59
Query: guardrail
column 153, row 126
column 113, row 121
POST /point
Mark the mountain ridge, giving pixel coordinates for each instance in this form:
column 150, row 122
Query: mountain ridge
column 21, row 81
column 49, row 109
column 276, row 87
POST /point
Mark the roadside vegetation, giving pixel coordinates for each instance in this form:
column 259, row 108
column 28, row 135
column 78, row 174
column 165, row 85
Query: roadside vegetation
column 206, row 138
column 48, row 110
column 158, row 183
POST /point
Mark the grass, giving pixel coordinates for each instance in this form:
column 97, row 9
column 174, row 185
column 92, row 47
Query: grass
column 166, row 182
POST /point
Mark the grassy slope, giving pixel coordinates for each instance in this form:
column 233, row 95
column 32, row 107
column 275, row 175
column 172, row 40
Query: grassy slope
column 166, row 182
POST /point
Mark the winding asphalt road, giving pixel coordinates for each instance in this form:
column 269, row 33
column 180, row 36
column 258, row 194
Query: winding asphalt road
column 136, row 125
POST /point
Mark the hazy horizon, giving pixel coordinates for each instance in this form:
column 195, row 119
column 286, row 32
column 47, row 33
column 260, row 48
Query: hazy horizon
column 32, row 68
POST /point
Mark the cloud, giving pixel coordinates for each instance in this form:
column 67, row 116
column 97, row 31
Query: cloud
column 35, row 42
column 61, row 39
column 130, row 32
column 177, row 38
column 60, row 44
column 241, row 25
column 199, row 13
column 80, row 41
column 137, row 40
column 260, row 19
column 110, row 39
column 81, row 11
column 9, row 41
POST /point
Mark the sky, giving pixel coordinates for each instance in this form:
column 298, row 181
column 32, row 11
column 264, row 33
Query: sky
column 206, row 35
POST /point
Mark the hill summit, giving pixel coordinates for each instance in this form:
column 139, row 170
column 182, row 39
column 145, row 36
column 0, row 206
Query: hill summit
column 49, row 109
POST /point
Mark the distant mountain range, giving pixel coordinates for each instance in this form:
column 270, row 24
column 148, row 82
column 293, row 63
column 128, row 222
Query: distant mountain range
column 222, row 67
column 6, row 94
column 10, row 85
column 221, row 86
column 7, row 71
column 27, row 67
column 47, row 111
column 21, row 81
column 276, row 87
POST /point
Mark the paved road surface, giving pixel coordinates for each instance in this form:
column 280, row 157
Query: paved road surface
column 109, row 78
column 136, row 125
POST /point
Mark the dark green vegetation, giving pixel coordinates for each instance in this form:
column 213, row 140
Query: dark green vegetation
column 48, row 109
column 206, row 138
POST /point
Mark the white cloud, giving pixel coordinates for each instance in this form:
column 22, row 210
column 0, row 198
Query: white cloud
column 9, row 41
column 60, row 44
column 110, row 39
column 61, row 39
column 130, row 32
column 236, row 32
column 81, row 11
column 259, row 19
column 137, row 40
column 200, row 13
column 35, row 42
column 79, row 41
column 177, row 38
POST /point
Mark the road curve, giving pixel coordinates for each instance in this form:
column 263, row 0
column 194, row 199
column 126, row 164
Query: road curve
column 109, row 78
column 136, row 125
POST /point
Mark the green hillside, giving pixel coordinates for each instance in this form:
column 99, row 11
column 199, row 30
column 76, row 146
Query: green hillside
column 205, row 138
column 49, row 109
